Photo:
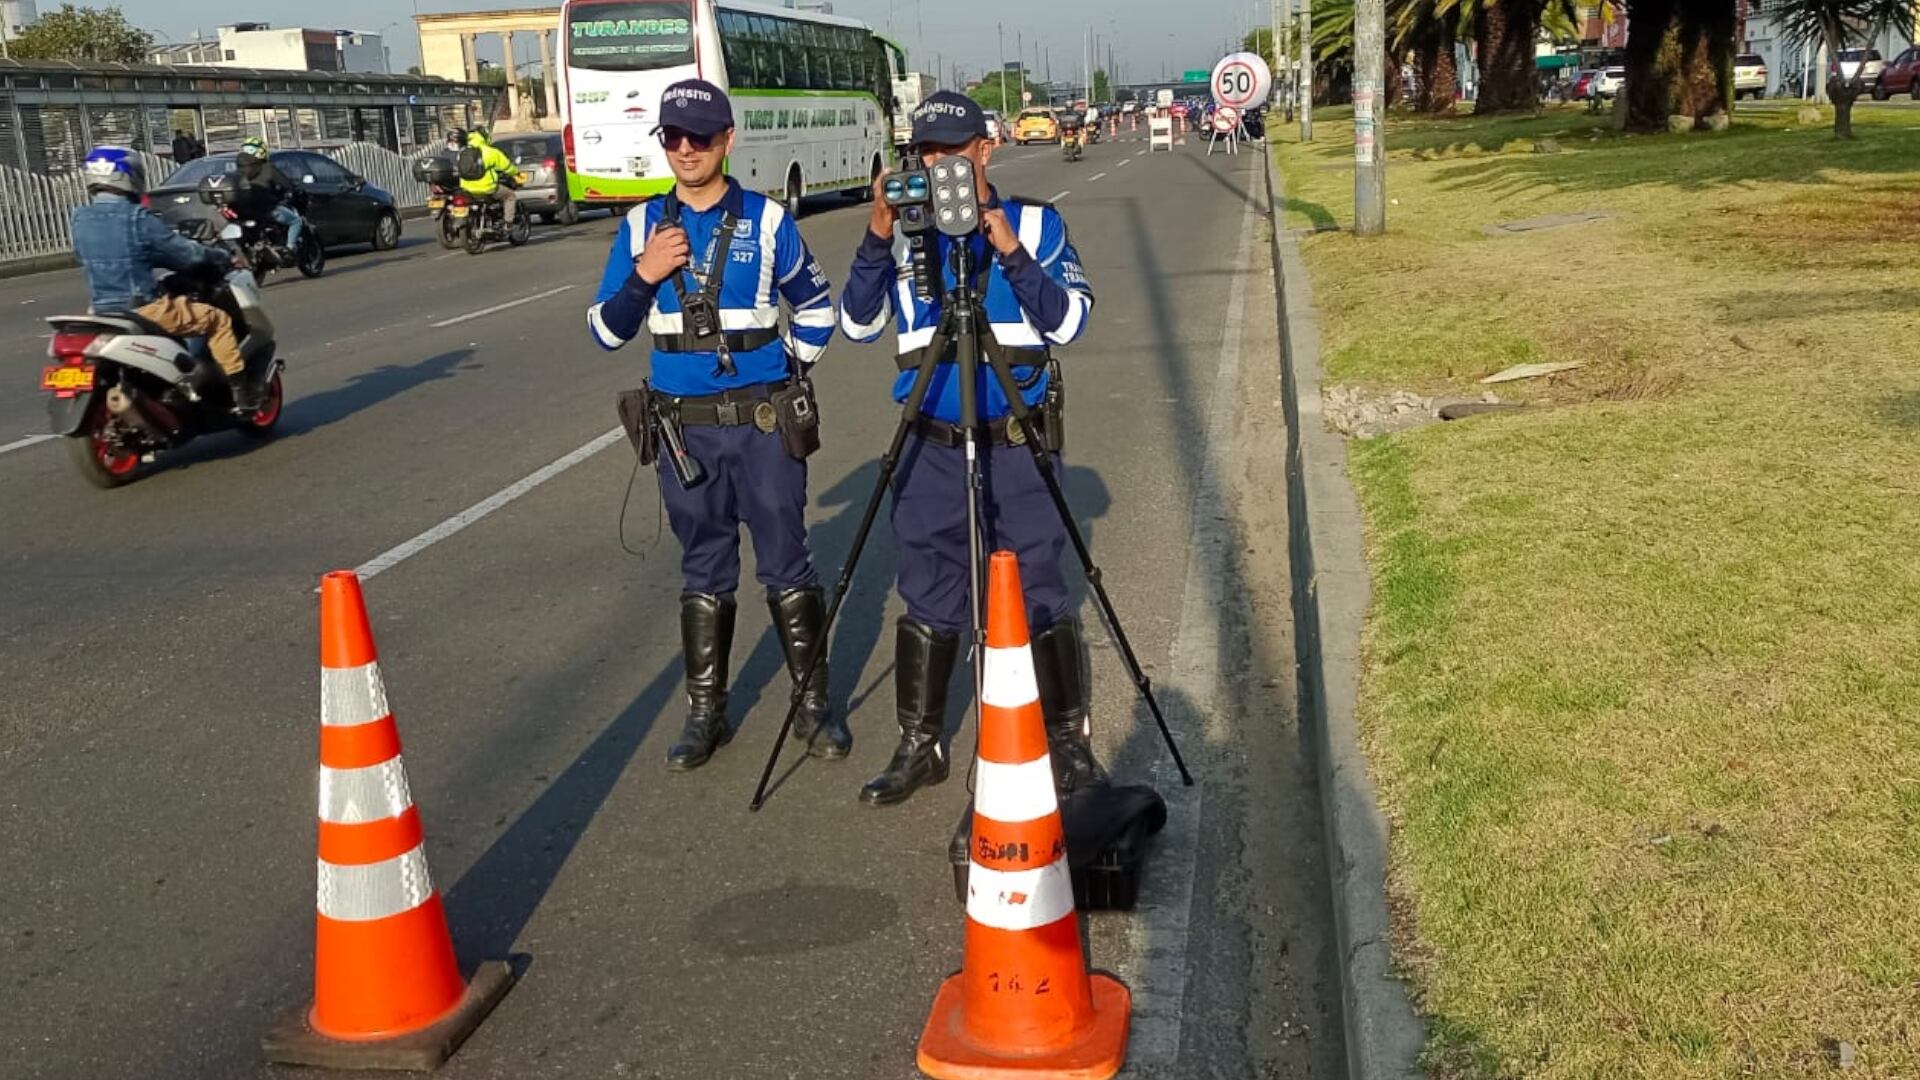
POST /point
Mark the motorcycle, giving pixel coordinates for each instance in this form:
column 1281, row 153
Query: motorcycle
column 1071, row 144
column 124, row 389
column 442, row 184
column 483, row 219
column 260, row 245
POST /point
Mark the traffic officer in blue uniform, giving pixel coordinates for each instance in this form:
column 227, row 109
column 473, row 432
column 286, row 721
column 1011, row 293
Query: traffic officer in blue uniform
column 718, row 388
column 1036, row 295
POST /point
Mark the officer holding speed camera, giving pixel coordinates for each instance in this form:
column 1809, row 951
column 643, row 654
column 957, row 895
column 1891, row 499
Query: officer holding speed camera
column 1035, row 295
column 728, row 409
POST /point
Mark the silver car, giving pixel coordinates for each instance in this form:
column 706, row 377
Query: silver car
column 542, row 158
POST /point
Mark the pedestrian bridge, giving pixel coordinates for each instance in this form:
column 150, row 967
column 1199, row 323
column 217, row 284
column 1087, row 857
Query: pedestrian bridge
column 447, row 48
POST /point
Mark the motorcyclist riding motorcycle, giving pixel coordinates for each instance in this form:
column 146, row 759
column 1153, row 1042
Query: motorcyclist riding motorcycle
column 262, row 191
column 1072, row 135
column 496, row 167
column 119, row 243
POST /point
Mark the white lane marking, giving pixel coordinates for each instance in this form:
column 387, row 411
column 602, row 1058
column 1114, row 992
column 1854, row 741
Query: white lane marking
column 1165, row 911
column 500, row 307
column 387, row 560
column 1140, row 153
column 1124, row 162
column 1095, row 177
column 22, row 444
column 1060, row 196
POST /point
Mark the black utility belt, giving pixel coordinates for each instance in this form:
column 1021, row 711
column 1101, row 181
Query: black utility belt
column 732, row 408
column 1006, row 431
column 737, row 341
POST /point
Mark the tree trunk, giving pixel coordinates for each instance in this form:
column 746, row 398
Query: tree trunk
column 1504, row 31
column 1844, row 93
column 1679, row 61
column 1439, row 79
column 1389, row 82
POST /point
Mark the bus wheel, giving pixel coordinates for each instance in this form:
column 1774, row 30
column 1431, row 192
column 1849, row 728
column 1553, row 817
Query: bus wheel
column 794, row 192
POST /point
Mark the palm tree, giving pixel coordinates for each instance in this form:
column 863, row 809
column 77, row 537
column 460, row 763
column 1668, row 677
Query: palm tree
column 1504, row 32
column 1417, row 26
column 1840, row 25
column 1679, row 61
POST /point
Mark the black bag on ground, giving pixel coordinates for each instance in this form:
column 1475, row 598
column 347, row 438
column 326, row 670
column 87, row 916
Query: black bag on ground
column 1107, row 830
column 471, row 164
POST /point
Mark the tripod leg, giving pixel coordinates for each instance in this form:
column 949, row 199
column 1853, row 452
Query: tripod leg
column 1044, row 463
column 888, row 463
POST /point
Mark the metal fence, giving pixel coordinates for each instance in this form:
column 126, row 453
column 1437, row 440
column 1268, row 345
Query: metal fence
column 36, row 208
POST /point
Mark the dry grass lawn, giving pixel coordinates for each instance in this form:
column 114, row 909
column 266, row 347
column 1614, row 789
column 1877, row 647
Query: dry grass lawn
column 1642, row 683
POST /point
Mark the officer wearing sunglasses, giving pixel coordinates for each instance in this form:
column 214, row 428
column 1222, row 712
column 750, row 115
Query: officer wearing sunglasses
column 729, row 383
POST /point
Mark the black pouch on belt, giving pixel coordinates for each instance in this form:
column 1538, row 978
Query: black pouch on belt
column 1053, row 410
column 797, row 417
column 637, row 420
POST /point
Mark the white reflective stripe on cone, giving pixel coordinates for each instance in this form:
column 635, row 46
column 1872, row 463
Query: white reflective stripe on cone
column 355, row 796
column 1014, row 793
column 1019, row 899
column 1008, row 682
column 377, row 890
column 352, row 696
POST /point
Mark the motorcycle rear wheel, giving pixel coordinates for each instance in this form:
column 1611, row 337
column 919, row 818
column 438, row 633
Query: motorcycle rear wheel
column 449, row 233
column 98, row 463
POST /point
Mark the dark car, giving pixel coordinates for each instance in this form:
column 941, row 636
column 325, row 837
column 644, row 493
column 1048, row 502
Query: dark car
column 342, row 207
column 540, row 156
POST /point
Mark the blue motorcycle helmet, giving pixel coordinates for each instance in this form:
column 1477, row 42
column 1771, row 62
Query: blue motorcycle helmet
column 116, row 169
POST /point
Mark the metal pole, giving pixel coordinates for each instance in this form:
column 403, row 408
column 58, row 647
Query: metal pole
column 1304, row 87
column 1369, row 112
column 1001, row 33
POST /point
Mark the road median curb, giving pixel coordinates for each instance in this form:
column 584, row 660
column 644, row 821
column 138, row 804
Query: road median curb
column 1384, row 1036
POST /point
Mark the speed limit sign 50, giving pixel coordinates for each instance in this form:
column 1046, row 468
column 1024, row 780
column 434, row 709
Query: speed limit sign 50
column 1242, row 80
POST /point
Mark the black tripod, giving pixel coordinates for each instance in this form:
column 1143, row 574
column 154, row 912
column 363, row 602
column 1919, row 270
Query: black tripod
column 962, row 321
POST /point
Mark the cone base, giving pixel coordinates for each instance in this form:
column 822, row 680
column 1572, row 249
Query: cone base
column 947, row 1053
column 292, row 1041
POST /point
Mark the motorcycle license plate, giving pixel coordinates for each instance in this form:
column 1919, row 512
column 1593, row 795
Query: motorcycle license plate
column 67, row 379
column 435, row 204
column 460, row 211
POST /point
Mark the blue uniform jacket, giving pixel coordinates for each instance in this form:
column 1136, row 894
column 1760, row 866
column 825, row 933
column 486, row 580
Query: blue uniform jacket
column 1036, row 297
column 119, row 243
column 767, row 261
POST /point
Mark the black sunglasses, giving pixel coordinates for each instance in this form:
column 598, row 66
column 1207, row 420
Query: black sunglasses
column 672, row 138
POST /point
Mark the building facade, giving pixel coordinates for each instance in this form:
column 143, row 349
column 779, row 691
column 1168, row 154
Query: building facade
column 15, row 17
column 265, row 47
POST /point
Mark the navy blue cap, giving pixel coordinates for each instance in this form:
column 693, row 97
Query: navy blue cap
column 947, row 118
column 695, row 106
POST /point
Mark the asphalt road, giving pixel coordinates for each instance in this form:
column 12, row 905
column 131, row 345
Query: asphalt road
column 157, row 649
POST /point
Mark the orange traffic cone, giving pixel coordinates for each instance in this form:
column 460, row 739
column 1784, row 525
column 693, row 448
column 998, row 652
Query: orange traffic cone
column 387, row 992
column 1024, row 1003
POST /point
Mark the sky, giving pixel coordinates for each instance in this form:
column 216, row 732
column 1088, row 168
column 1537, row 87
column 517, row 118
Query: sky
column 1148, row 36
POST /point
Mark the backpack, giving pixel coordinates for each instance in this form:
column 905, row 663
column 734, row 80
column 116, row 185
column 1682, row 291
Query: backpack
column 470, row 163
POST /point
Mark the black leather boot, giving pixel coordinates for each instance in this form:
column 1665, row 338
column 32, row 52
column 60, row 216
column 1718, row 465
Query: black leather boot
column 923, row 661
column 248, row 394
column 800, row 617
column 1059, row 670
column 706, row 638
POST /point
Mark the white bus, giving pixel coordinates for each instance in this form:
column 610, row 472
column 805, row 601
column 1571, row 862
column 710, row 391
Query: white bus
column 811, row 94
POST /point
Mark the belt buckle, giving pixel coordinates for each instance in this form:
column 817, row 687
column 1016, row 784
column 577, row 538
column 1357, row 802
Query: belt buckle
column 727, row 413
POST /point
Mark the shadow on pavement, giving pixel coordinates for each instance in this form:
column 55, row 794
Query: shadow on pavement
column 363, row 391
column 493, row 901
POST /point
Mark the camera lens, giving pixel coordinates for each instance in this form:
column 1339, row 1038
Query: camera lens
column 917, row 187
column 895, row 189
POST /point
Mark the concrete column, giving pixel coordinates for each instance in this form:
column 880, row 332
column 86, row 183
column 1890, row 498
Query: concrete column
column 513, row 83
column 468, row 58
column 552, row 71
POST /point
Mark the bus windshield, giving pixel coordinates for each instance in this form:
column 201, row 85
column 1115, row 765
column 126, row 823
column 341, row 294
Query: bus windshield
column 630, row 35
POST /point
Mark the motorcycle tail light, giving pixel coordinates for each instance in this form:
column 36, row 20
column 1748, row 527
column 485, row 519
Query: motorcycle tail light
column 547, row 164
column 70, row 345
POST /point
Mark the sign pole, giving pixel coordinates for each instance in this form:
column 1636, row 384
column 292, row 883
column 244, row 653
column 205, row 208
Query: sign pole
column 1303, row 84
column 1369, row 112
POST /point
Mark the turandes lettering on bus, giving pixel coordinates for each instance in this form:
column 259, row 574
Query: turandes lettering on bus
column 630, row 27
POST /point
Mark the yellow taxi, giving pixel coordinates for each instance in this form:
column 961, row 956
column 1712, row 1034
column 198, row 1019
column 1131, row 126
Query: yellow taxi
column 1036, row 125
